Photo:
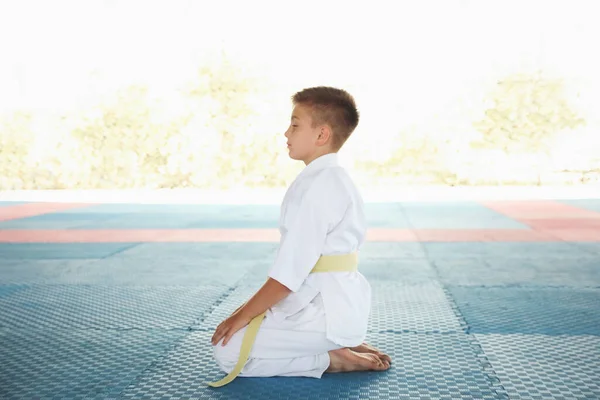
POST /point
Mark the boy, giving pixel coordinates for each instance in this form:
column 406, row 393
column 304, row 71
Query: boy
column 304, row 322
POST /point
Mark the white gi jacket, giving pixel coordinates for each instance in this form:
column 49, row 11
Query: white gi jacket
column 322, row 214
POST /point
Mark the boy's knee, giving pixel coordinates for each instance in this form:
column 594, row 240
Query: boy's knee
column 226, row 356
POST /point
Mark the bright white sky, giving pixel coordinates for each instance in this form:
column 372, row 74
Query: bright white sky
column 428, row 50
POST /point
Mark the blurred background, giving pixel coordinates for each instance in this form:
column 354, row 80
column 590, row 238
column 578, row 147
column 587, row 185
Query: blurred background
column 196, row 94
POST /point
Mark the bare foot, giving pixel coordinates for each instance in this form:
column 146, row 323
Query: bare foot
column 346, row 360
column 367, row 348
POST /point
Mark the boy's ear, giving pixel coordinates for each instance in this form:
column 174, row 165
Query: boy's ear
column 324, row 135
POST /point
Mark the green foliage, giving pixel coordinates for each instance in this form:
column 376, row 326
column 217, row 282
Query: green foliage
column 527, row 111
column 215, row 139
column 223, row 129
column 247, row 151
column 416, row 159
column 121, row 146
column 16, row 139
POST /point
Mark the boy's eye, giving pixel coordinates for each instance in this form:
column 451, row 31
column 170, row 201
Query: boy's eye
column 294, row 126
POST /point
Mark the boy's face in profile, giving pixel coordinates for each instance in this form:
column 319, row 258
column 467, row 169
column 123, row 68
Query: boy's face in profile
column 301, row 136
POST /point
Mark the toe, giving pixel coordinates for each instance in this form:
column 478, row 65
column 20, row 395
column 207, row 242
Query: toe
column 378, row 363
column 387, row 358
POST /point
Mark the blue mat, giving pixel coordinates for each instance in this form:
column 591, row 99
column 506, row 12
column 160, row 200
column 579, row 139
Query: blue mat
column 133, row 320
column 545, row 367
column 401, row 270
column 520, row 271
column 138, row 220
column 228, row 303
column 395, row 308
column 209, row 210
column 391, row 250
column 203, row 250
column 588, row 204
column 7, row 291
column 547, row 311
column 589, row 247
column 63, row 251
column 77, row 364
column 386, row 215
column 11, row 203
column 487, row 250
column 45, row 271
column 427, row 367
column 157, row 216
column 181, row 221
column 183, row 270
column 54, row 307
column 456, row 215
column 420, row 308
column 42, row 223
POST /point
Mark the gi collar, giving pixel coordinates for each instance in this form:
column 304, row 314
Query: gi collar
column 324, row 161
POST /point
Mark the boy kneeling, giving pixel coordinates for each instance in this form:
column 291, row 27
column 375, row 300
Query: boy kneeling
column 311, row 315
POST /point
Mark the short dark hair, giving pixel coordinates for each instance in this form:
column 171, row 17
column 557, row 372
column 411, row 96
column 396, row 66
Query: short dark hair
column 332, row 106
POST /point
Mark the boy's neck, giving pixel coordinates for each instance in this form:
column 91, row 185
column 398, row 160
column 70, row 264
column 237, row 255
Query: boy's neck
column 317, row 155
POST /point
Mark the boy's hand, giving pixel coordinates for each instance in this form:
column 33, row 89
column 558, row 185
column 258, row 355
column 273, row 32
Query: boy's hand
column 229, row 327
column 268, row 295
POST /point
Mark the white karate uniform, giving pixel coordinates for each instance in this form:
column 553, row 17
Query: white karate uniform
column 322, row 213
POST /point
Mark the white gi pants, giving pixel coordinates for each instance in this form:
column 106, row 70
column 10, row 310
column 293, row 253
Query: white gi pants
column 295, row 345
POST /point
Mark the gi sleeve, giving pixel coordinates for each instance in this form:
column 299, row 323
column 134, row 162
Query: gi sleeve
column 302, row 245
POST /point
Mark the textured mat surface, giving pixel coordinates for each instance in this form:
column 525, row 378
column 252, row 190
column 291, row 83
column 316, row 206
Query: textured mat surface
column 7, row 291
column 95, row 307
column 580, row 271
column 395, row 308
column 386, row 215
column 32, row 251
column 228, row 303
column 588, row 204
column 211, row 210
column 200, row 251
column 77, row 364
column 481, row 250
column 462, row 320
column 391, row 250
column 41, row 272
column 593, row 248
column 139, row 216
column 40, row 223
column 402, row 270
column 11, row 203
column 548, row 311
column 428, row 367
column 164, row 271
column 457, row 215
column 420, row 308
column 545, row 367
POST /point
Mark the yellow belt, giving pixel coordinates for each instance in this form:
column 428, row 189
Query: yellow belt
column 331, row 263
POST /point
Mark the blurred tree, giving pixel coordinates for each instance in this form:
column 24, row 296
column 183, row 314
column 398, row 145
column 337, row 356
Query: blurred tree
column 16, row 138
column 249, row 150
column 121, row 145
column 415, row 158
column 527, row 111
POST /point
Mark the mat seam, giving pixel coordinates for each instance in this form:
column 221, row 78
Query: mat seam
column 490, row 374
column 488, row 370
column 189, row 330
column 148, row 368
column 534, row 229
column 122, row 250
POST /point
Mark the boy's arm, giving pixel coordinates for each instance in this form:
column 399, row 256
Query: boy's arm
column 271, row 293
column 319, row 208
column 268, row 295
